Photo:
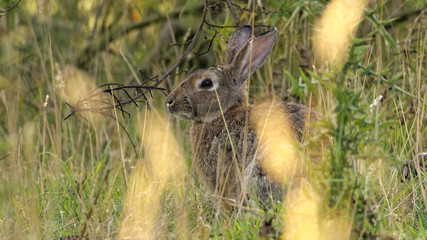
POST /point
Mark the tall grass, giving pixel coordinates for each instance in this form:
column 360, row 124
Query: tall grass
column 81, row 176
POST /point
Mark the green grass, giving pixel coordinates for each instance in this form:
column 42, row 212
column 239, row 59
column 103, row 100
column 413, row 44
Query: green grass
column 71, row 177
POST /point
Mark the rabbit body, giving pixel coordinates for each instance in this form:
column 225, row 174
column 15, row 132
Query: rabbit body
column 213, row 152
column 213, row 149
column 223, row 140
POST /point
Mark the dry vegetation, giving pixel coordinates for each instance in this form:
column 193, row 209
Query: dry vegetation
column 127, row 171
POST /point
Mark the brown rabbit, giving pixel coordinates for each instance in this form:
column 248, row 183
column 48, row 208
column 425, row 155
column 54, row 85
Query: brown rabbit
column 223, row 141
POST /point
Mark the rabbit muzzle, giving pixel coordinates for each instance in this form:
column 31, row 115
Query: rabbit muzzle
column 179, row 105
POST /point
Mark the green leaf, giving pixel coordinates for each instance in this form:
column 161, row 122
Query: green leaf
column 295, row 89
column 380, row 25
column 311, row 85
column 388, row 123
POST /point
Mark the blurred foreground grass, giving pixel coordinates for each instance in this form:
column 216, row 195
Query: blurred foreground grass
column 79, row 177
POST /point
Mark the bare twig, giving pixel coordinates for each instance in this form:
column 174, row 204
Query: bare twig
column 10, row 8
column 235, row 17
column 234, row 26
column 87, row 104
column 220, row 26
column 119, row 31
column 72, row 111
column 146, row 78
column 5, row 156
column 253, row 11
column 209, row 46
column 409, row 36
column 180, row 44
column 98, row 13
column 127, row 134
column 400, row 17
column 189, row 48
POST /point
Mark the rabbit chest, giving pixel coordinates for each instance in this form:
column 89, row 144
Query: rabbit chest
column 220, row 156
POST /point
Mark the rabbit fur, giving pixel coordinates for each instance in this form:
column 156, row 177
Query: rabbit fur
column 223, row 139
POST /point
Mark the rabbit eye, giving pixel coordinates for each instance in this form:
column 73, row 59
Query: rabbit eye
column 206, row 83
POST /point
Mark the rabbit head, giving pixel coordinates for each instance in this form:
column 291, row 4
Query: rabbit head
column 204, row 93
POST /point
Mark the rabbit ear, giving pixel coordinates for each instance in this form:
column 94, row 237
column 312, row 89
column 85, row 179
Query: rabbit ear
column 238, row 38
column 252, row 55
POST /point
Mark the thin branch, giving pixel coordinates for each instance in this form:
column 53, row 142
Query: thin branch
column 72, row 111
column 219, row 26
column 180, row 44
column 416, row 20
column 407, row 43
column 209, row 46
column 96, row 103
column 177, row 74
column 5, row 156
column 189, row 48
column 135, row 87
column 235, row 17
column 146, row 78
column 98, row 13
column 119, row 31
column 253, row 11
column 127, row 134
column 10, row 8
column 127, row 94
column 401, row 17
column 234, row 26
column 142, row 89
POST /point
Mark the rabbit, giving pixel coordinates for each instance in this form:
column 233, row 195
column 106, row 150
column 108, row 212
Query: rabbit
column 220, row 164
